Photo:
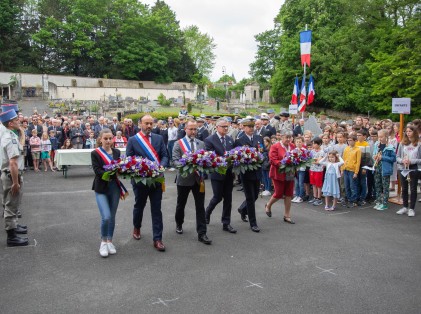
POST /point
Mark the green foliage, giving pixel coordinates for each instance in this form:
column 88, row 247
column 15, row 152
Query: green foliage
column 122, row 39
column 217, row 92
column 163, row 100
column 200, row 47
column 162, row 115
column 189, row 107
column 363, row 53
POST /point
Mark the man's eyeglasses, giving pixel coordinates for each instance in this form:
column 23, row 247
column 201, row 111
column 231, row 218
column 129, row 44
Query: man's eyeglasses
column 223, row 126
column 192, row 129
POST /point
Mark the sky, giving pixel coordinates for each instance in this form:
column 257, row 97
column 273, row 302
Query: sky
column 232, row 24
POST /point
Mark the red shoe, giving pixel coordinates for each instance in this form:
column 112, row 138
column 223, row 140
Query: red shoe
column 159, row 245
column 136, row 233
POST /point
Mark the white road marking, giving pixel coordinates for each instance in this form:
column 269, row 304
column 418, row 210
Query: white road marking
column 164, row 302
column 325, row 270
column 254, row 285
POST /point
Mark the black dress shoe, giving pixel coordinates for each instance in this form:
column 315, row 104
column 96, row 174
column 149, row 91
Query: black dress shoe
column 179, row 229
column 243, row 216
column 20, row 230
column 229, row 229
column 204, row 239
column 255, row 229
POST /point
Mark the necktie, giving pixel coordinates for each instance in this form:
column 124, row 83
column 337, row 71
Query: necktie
column 192, row 145
column 223, row 141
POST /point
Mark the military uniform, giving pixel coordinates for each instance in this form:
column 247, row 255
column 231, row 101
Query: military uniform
column 11, row 148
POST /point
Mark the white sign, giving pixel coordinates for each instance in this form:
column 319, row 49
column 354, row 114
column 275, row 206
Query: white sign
column 401, row 105
column 293, row 109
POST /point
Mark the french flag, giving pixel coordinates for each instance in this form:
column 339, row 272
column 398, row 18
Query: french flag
column 302, row 106
column 294, row 99
column 311, row 91
column 305, row 47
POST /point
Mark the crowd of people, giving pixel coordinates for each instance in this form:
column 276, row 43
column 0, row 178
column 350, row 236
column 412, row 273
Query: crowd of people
column 354, row 163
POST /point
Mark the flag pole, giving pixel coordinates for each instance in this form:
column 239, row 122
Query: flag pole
column 304, row 76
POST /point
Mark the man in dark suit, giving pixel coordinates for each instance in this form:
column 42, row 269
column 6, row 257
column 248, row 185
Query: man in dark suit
column 100, row 126
column 267, row 129
column 115, row 126
column 192, row 183
column 151, row 146
column 251, row 178
column 299, row 129
column 202, row 131
column 222, row 185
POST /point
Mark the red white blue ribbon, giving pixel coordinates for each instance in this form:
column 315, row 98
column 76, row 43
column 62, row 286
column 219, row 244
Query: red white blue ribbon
column 184, row 144
column 107, row 158
column 147, row 147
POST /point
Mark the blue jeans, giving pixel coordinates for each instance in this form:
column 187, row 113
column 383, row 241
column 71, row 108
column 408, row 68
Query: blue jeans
column 362, row 186
column 299, row 184
column 170, row 148
column 107, row 204
column 266, row 180
column 350, row 186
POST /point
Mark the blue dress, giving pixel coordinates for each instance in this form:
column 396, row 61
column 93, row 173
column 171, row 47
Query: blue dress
column 331, row 184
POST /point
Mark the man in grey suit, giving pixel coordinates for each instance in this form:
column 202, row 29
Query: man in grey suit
column 190, row 183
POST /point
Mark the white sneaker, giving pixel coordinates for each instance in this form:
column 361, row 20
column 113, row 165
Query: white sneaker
column 402, row 211
column 266, row 193
column 294, row 200
column 103, row 249
column 299, row 200
column 111, row 248
column 411, row 213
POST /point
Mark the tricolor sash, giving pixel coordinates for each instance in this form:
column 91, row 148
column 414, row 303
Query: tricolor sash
column 147, row 147
column 106, row 158
column 184, row 144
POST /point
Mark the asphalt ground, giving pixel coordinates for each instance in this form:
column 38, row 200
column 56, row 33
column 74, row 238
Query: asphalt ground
column 348, row 261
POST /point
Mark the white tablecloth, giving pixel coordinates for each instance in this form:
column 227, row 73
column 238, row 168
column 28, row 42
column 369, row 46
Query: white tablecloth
column 75, row 157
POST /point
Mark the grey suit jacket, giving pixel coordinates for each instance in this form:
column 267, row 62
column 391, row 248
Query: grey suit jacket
column 177, row 153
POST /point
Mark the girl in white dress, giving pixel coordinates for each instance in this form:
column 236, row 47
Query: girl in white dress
column 331, row 187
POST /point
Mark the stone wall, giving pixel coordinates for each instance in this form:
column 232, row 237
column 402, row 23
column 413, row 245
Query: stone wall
column 85, row 88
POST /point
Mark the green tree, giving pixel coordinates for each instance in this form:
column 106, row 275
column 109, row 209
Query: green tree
column 200, row 48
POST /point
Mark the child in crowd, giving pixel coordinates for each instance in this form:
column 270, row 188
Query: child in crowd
column 301, row 172
column 384, row 158
column 316, row 172
column 366, row 161
column 326, row 144
column 45, row 151
column 333, row 173
column 67, row 144
column 340, row 147
column 91, row 141
column 34, row 143
column 409, row 158
column 351, row 167
column 371, row 190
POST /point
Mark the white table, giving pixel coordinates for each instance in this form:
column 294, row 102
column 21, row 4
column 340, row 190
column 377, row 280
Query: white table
column 74, row 157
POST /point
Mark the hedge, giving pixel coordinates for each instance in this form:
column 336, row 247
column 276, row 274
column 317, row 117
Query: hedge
column 164, row 115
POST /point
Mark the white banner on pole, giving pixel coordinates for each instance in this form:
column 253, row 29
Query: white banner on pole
column 401, row 105
column 293, row 109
